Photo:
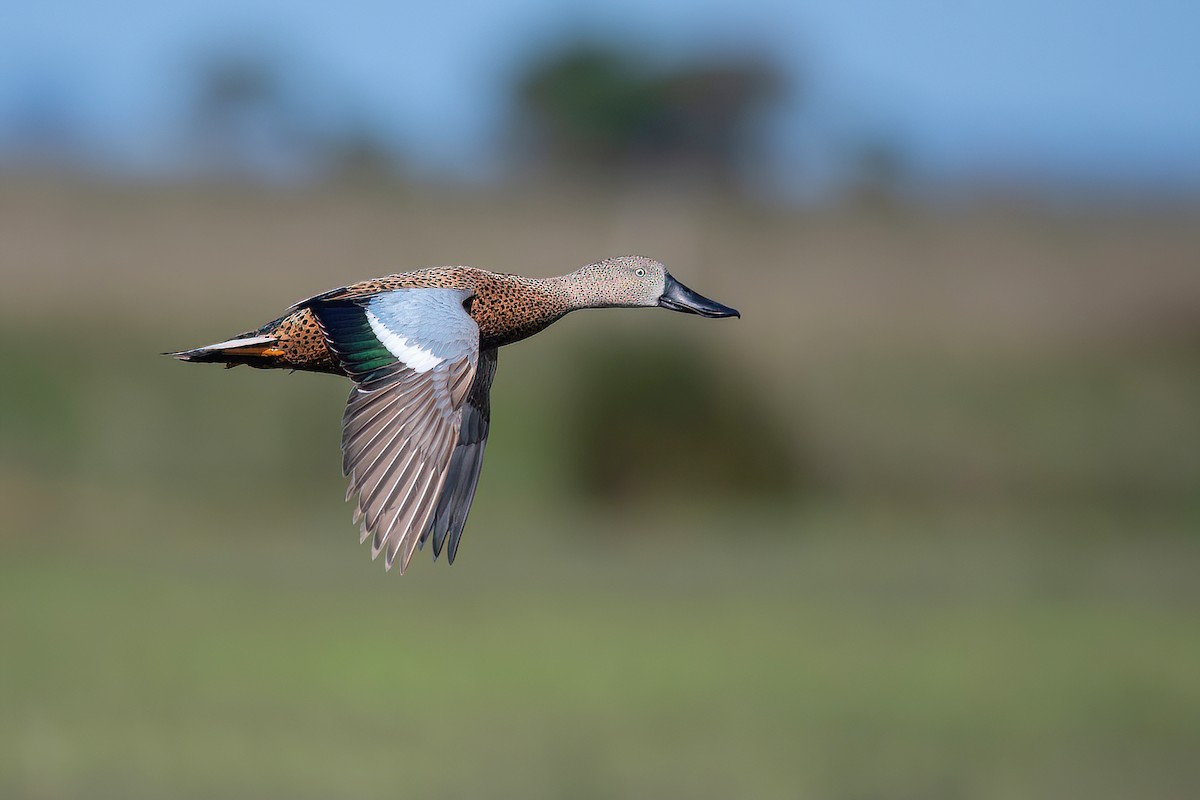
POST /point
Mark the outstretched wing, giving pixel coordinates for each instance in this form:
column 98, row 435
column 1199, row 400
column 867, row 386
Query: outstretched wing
column 463, row 474
column 413, row 355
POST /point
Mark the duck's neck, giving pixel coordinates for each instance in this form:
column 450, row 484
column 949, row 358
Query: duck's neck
column 554, row 297
column 572, row 291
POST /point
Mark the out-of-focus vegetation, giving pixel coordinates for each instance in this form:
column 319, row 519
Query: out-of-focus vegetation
column 251, row 111
column 603, row 108
column 654, row 418
column 977, row 579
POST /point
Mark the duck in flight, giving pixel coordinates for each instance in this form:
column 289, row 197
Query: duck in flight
column 420, row 348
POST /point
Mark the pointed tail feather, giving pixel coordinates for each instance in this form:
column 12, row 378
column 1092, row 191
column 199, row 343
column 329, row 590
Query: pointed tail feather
column 256, row 351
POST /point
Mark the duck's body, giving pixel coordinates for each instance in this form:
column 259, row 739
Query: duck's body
column 421, row 349
column 507, row 308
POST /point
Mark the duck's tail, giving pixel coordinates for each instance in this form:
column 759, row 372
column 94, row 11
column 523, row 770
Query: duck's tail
column 251, row 349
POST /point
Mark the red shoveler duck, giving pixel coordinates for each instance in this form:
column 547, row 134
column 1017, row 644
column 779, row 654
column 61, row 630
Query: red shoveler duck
column 420, row 348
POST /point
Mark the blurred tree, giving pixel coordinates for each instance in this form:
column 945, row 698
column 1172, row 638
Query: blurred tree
column 878, row 171
column 256, row 112
column 241, row 116
column 598, row 108
column 361, row 155
column 41, row 123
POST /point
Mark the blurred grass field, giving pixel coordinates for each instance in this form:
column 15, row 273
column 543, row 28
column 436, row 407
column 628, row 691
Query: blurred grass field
column 980, row 581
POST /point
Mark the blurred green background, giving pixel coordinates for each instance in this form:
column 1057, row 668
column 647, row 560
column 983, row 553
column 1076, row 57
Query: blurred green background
column 922, row 524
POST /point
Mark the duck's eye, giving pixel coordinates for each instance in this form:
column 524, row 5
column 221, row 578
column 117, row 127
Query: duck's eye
column 641, row 273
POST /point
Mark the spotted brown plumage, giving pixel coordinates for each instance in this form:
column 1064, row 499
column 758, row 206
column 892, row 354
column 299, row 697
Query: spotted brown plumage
column 420, row 348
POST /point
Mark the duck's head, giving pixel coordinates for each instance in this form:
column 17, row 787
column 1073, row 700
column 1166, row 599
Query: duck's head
column 635, row 281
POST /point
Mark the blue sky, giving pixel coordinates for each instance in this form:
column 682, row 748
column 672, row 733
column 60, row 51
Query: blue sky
column 1050, row 89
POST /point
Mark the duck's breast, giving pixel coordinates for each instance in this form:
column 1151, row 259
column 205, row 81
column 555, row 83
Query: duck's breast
column 509, row 308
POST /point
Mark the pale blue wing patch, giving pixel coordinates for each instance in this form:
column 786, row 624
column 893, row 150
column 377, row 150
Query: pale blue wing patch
column 421, row 328
column 415, row 328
